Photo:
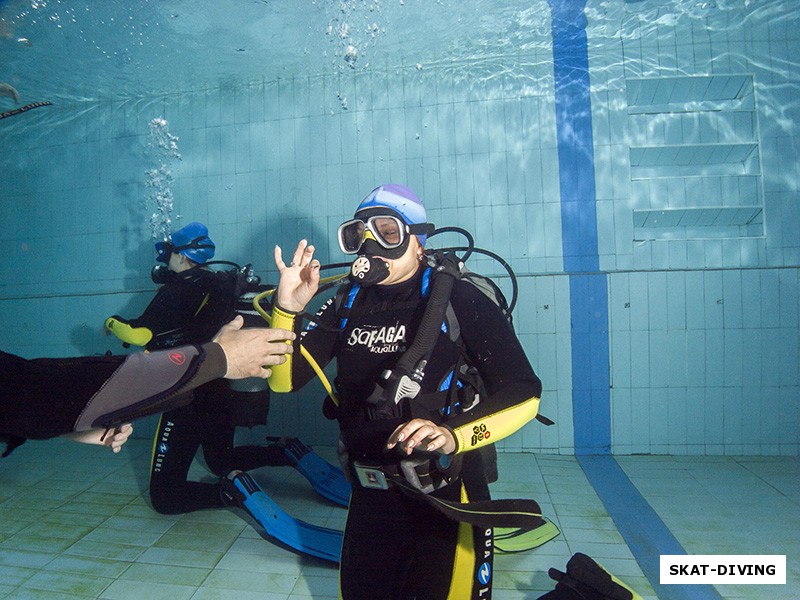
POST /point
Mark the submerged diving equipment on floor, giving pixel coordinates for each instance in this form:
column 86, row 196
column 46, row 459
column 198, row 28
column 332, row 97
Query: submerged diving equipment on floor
column 329, row 481
column 240, row 489
column 585, row 579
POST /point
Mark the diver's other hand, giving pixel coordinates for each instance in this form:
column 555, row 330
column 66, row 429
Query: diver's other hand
column 250, row 352
column 112, row 438
column 118, row 437
column 299, row 279
column 424, row 435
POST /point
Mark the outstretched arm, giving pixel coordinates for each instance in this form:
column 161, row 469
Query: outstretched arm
column 149, row 383
column 251, row 352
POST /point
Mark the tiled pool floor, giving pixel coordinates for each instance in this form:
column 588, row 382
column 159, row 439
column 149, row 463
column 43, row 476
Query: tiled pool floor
column 75, row 523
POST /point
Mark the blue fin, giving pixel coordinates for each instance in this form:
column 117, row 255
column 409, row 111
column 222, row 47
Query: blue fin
column 327, row 480
column 306, row 538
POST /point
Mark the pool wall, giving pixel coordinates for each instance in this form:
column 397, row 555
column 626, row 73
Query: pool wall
column 692, row 184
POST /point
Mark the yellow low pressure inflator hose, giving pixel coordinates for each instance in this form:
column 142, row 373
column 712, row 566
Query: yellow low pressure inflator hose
column 137, row 336
column 305, row 353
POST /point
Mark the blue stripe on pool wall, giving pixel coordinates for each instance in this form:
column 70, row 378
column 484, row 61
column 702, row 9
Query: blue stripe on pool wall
column 590, row 360
column 574, row 135
column 588, row 289
column 642, row 529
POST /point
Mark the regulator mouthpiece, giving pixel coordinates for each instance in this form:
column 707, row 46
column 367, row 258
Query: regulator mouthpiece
column 368, row 270
column 161, row 274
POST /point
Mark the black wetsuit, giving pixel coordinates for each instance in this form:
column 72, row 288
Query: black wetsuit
column 396, row 546
column 190, row 307
column 193, row 306
column 208, row 422
column 175, row 304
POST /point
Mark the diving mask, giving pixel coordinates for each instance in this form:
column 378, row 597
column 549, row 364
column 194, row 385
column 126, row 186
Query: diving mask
column 389, row 231
column 200, row 249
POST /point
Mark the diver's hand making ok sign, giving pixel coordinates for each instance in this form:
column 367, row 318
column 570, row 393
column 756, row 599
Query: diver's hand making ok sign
column 299, row 279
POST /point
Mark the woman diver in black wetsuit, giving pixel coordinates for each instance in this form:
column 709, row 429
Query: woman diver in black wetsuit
column 405, row 428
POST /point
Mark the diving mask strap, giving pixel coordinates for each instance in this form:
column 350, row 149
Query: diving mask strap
column 195, row 244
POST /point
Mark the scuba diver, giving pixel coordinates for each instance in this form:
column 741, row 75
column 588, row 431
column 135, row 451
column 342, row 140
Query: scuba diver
column 409, row 335
column 107, row 392
column 191, row 301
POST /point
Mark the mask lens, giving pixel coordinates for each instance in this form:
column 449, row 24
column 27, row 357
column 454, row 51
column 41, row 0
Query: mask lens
column 350, row 236
column 388, row 231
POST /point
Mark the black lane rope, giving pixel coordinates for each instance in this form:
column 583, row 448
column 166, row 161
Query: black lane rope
column 22, row 109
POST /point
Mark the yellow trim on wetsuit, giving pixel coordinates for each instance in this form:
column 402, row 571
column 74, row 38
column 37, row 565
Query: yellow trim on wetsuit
column 494, row 427
column 138, row 336
column 202, row 304
column 463, row 564
column 464, row 560
column 281, row 378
